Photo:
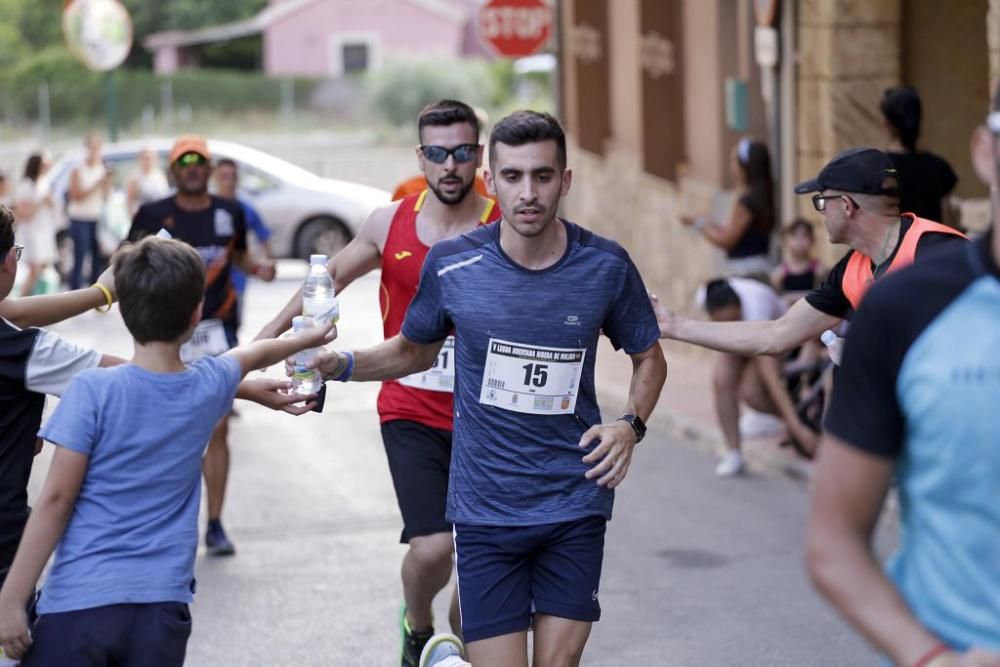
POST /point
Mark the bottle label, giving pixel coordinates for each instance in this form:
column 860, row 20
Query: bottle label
column 321, row 319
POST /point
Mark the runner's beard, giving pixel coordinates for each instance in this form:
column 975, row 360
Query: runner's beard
column 451, row 200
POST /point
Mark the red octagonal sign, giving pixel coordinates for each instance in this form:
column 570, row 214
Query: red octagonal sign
column 515, row 28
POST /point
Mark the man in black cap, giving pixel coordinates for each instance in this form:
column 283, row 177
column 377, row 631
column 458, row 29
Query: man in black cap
column 857, row 193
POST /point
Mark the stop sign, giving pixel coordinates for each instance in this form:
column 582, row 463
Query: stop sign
column 515, row 28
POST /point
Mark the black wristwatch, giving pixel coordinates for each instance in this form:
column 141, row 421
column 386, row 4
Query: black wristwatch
column 637, row 425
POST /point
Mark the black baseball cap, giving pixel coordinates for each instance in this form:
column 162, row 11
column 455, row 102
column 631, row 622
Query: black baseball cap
column 866, row 171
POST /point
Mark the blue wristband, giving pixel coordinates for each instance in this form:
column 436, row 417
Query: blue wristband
column 346, row 375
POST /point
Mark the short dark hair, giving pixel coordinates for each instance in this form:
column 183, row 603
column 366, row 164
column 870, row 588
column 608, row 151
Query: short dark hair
column 529, row 127
column 226, row 162
column 160, row 283
column 797, row 224
column 719, row 294
column 446, row 112
column 6, row 231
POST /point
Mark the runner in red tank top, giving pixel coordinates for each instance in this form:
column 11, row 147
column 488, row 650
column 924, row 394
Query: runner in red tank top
column 416, row 412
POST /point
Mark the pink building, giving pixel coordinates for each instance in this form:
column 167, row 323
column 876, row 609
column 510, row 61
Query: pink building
column 324, row 38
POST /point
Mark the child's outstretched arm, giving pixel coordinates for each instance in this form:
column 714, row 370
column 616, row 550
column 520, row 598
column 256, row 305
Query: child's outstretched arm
column 42, row 311
column 264, row 353
column 44, row 530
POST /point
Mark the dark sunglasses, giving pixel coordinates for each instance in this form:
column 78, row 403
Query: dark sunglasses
column 819, row 201
column 18, row 249
column 189, row 159
column 439, row 154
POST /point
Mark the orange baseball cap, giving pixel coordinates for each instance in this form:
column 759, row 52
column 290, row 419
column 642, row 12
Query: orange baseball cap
column 189, row 143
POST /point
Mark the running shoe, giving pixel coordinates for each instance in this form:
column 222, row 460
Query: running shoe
column 730, row 465
column 413, row 642
column 216, row 541
column 442, row 650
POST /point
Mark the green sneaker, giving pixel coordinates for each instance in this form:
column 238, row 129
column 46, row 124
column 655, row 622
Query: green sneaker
column 412, row 642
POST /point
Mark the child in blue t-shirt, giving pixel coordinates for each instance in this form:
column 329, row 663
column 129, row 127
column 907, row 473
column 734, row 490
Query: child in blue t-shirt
column 120, row 504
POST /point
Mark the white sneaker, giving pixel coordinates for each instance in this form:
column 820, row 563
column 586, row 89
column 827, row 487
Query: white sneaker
column 755, row 424
column 730, row 465
column 443, row 650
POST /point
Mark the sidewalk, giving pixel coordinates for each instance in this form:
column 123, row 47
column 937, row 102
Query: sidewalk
column 686, row 408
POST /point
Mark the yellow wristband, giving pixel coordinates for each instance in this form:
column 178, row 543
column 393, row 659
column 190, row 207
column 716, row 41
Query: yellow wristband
column 107, row 295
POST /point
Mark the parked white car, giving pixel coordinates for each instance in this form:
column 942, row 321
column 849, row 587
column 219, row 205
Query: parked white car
column 306, row 213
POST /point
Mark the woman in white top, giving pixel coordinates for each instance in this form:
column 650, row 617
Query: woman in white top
column 150, row 184
column 35, row 212
column 89, row 186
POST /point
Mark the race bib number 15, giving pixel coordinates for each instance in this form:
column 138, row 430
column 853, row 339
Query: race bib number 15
column 532, row 380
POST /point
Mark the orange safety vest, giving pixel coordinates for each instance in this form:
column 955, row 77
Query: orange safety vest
column 858, row 276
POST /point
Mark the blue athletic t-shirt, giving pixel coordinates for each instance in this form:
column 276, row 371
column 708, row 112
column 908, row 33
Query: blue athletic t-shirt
column 134, row 530
column 920, row 385
column 525, row 343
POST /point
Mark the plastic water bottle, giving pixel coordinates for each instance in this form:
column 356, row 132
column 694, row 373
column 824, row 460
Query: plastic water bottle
column 834, row 345
column 7, row 662
column 305, row 380
column 319, row 301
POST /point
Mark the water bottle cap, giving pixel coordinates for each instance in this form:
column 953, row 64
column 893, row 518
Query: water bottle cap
column 317, row 259
column 163, row 234
column 828, row 337
column 300, row 322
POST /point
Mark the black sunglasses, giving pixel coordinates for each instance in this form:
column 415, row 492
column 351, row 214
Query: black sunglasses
column 189, row 159
column 439, row 154
column 18, row 249
column 819, row 201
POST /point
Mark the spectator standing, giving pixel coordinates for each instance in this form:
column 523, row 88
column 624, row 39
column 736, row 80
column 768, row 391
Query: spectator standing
column 926, row 179
column 36, row 223
column 89, row 187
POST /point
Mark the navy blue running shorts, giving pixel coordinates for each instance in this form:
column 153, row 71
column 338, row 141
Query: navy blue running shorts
column 128, row 635
column 508, row 573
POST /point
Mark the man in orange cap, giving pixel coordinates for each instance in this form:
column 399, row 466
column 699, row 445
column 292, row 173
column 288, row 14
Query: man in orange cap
column 216, row 228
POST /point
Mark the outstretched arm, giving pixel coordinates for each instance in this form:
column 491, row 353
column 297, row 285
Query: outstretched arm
column 358, row 257
column 45, row 310
column 391, row 359
column 264, row 353
column 802, row 322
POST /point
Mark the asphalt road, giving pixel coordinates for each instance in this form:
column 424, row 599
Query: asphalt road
column 698, row 571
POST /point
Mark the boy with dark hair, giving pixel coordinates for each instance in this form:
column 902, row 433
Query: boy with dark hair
column 122, row 495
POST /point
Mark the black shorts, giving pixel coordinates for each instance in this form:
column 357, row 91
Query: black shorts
column 419, row 459
column 119, row 634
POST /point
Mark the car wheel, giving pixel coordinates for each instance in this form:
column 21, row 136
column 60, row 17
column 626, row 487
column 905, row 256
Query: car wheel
column 321, row 236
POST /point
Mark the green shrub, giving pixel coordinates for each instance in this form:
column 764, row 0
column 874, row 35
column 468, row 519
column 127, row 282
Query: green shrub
column 400, row 90
column 76, row 95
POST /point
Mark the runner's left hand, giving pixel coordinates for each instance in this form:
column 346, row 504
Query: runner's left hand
column 613, row 454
